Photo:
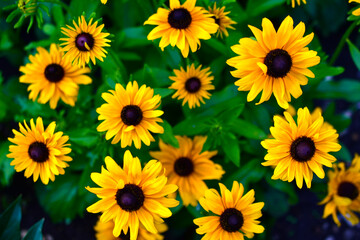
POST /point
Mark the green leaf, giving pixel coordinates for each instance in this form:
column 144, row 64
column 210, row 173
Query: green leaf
column 84, row 137
column 41, row 43
column 191, row 126
column 10, row 221
column 163, row 92
column 20, row 21
column 355, row 53
column 58, row 15
column 195, row 211
column 168, row 135
column 247, row 129
column 284, row 187
column 6, row 170
column 231, row 148
column 34, row 232
column 12, row 15
column 347, row 89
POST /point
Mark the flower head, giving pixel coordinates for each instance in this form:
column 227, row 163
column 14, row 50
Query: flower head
column 38, row 151
column 236, row 214
column 357, row 11
column 276, row 62
column 299, row 149
column 182, row 26
column 222, row 20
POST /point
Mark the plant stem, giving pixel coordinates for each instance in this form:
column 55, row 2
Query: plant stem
column 342, row 43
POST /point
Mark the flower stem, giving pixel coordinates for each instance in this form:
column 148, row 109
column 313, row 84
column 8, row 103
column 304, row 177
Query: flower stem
column 342, row 43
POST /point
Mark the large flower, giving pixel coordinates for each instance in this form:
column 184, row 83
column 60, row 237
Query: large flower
column 39, row 152
column 222, row 20
column 357, row 11
column 235, row 214
column 52, row 75
column 276, row 62
column 298, row 150
column 130, row 114
column 85, row 41
column 192, row 85
column 182, row 26
column 130, row 195
column 343, row 192
column 187, row 167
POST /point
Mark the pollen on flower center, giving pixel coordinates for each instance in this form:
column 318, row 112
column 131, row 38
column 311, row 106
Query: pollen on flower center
column 83, row 38
column 179, row 18
column 183, row 166
column 131, row 115
column 231, row 220
column 130, row 198
column 302, row 149
column 54, row 72
column 348, row 189
column 38, row 152
column 192, row 85
column 278, row 62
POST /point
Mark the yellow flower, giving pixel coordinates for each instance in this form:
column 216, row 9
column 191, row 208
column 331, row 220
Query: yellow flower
column 85, row 41
column 343, row 192
column 104, row 231
column 52, row 75
column 298, row 150
column 276, row 62
column 235, row 214
column 103, row 1
column 222, row 20
column 357, row 11
column 298, row 2
column 182, row 26
column 130, row 195
column 130, row 114
column 187, row 167
column 192, row 85
column 39, row 152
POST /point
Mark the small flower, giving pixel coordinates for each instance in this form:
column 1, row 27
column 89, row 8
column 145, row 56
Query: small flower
column 130, row 114
column 131, row 196
column 298, row 2
column 86, row 41
column 187, row 167
column 192, row 85
column 182, row 26
column 234, row 214
column 276, row 62
column 51, row 75
column 298, row 150
column 222, row 20
column 39, row 152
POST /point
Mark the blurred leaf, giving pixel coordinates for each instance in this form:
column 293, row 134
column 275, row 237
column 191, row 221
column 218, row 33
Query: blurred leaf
column 168, row 135
column 84, row 137
column 58, row 15
column 195, row 211
column 246, row 129
column 10, row 221
column 355, row 53
column 191, row 126
column 347, row 89
column 231, row 148
column 278, row 199
column 163, row 92
column 284, row 187
column 257, row 7
column 42, row 43
column 34, row 232
column 6, row 170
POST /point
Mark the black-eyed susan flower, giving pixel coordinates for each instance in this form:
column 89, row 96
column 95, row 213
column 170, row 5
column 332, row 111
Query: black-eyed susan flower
column 188, row 167
column 131, row 196
column 182, row 26
column 299, row 149
column 104, row 231
column 236, row 214
column 276, row 62
column 84, row 42
column 38, row 151
column 52, row 75
column 357, row 11
column 343, row 192
column 298, row 2
column 222, row 20
column 192, row 85
column 130, row 114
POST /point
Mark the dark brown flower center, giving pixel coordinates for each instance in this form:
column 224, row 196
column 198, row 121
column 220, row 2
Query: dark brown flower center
column 54, row 72
column 231, row 220
column 278, row 62
column 302, row 149
column 179, row 18
column 348, row 189
column 130, row 198
column 217, row 20
column 192, row 85
column 38, row 152
column 124, row 236
column 83, row 38
column 131, row 115
column 183, row 166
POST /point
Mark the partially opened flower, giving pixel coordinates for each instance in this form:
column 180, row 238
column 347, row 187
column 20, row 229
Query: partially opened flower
column 182, row 26
column 130, row 114
column 357, row 11
column 298, row 2
column 85, row 41
column 192, row 85
column 131, row 196
column 276, row 62
column 188, row 166
column 299, row 149
column 343, row 192
column 233, row 214
column 38, row 151
column 52, row 75
column 222, row 20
